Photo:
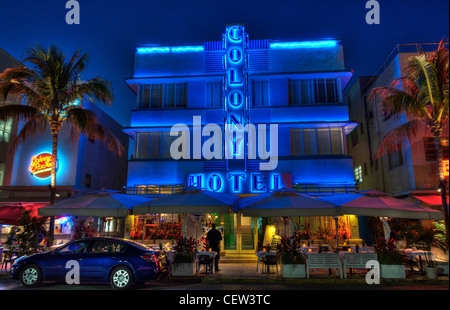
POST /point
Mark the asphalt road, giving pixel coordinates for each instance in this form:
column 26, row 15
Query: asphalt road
column 9, row 284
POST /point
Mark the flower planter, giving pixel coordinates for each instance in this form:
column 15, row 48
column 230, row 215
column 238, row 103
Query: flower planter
column 293, row 271
column 393, row 271
column 183, row 269
column 431, row 272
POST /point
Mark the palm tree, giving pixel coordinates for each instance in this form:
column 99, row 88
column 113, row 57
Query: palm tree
column 52, row 93
column 423, row 94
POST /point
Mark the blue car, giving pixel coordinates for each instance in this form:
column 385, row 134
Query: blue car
column 119, row 262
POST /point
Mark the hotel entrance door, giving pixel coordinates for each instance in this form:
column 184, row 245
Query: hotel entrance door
column 240, row 234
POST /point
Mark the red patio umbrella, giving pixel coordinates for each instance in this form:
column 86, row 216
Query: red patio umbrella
column 375, row 203
column 11, row 213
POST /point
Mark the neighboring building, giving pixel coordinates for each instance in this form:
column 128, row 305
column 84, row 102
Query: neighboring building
column 296, row 85
column 8, row 129
column 410, row 173
column 83, row 165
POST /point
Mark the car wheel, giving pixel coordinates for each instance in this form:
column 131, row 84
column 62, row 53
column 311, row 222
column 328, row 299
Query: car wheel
column 30, row 276
column 121, row 278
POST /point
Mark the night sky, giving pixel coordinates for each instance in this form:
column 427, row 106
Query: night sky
column 110, row 30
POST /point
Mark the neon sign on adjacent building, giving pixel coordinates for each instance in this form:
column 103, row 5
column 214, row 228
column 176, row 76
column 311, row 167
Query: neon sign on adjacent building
column 445, row 168
column 41, row 165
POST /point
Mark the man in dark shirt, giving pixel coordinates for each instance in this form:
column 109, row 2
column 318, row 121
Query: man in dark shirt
column 214, row 237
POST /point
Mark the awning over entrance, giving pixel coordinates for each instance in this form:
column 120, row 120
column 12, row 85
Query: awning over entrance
column 189, row 200
column 431, row 200
column 102, row 203
column 285, row 203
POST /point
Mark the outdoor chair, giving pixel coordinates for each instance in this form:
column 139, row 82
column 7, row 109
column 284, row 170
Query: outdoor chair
column 268, row 261
column 323, row 260
column 9, row 258
column 358, row 261
column 207, row 261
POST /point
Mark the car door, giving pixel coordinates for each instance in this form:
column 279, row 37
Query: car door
column 98, row 262
column 55, row 264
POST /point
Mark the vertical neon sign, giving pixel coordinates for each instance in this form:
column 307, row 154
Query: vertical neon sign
column 235, row 89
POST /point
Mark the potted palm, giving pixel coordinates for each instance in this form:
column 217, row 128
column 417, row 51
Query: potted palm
column 292, row 260
column 183, row 260
column 427, row 238
column 391, row 260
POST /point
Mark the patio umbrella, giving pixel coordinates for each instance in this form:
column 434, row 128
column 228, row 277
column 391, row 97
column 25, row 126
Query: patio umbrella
column 285, row 203
column 190, row 199
column 102, row 203
column 10, row 214
column 375, row 203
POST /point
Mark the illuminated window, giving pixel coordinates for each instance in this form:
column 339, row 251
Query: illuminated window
column 358, row 174
column 5, row 130
column 317, row 141
column 163, row 96
column 260, row 93
column 2, row 173
column 313, row 91
column 154, row 144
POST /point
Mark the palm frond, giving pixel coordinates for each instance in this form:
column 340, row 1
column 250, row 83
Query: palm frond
column 396, row 101
column 96, row 88
column 36, row 125
column 85, row 122
column 17, row 111
column 398, row 137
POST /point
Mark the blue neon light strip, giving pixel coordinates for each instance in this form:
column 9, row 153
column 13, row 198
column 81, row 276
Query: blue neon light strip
column 304, row 44
column 166, row 49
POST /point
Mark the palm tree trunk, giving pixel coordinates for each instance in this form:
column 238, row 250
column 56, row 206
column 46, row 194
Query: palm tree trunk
column 55, row 127
column 442, row 181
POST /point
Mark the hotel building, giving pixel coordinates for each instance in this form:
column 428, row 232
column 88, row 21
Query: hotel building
column 293, row 88
column 411, row 172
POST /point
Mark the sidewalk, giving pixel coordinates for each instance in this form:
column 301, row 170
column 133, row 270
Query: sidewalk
column 247, row 273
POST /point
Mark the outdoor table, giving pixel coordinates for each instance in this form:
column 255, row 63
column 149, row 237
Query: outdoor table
column 261, row 255
column 413, row 253
column 313, row 248
column 213, row 254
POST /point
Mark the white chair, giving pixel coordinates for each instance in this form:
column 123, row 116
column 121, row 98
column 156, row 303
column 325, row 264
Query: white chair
column 357, row 260
column 323, row 260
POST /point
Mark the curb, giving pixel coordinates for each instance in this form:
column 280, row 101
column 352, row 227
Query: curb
column 339, row 281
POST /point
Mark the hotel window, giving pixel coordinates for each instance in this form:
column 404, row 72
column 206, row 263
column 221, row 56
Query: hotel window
column 358, row 174
column 313, row 91
column 396, row 158
column 155, row 144
column 317, row 141
column 214, row 95
column 354, row 137
column 430, row 148
column 163, row 96
column 5, row 130
column 260, row 93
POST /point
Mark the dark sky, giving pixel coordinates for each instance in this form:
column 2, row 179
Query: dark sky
column 110, row 30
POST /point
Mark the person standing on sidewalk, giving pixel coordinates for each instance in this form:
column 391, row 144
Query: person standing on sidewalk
column 214, row 237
